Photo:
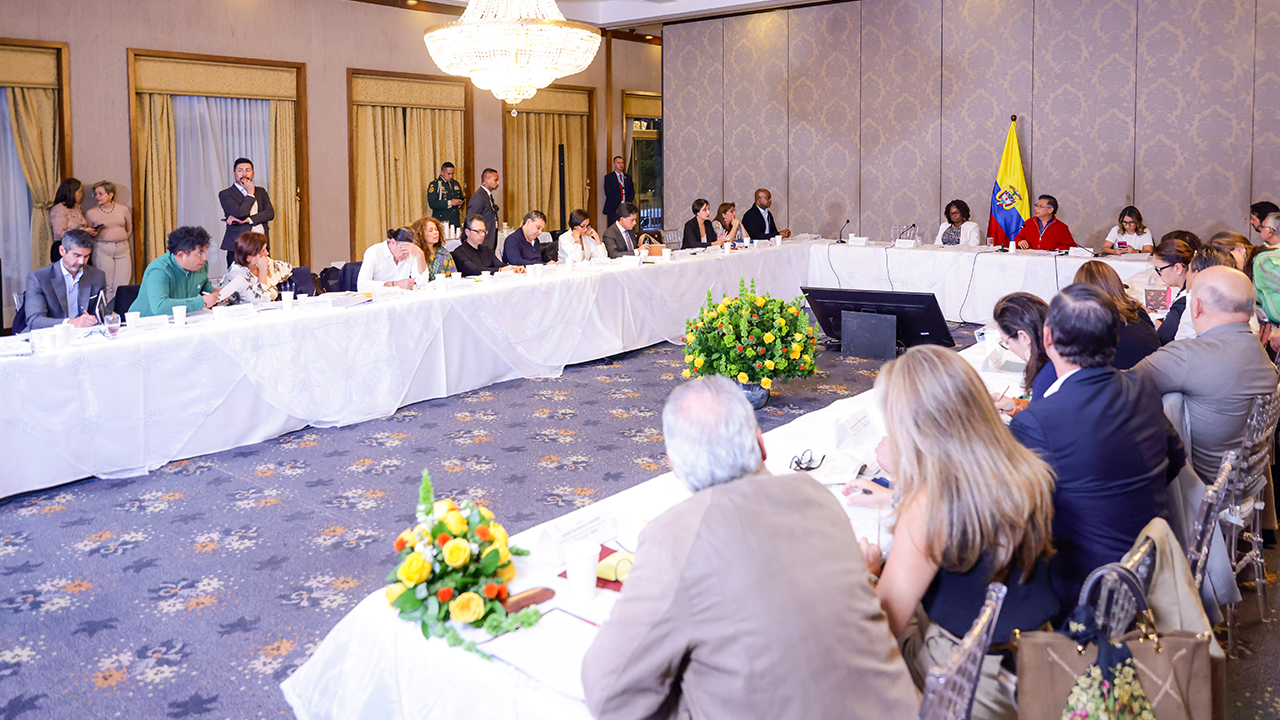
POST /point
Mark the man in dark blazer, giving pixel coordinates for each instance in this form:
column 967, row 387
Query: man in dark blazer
column 246, row 206
column 619, row 238
column 618, row 189
column 68, row 288
column 482, row 204
column 759, row 222
column 1105, row 435
column 523, row 246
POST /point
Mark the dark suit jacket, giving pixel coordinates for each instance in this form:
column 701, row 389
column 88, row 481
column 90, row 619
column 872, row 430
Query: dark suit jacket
column 1138, row 339
column 517, row 250
column 691, row 237
column 482, row 204
column 45, row 299
column 615, row 244
column 753, row 223
column 1105, row 435
column 237, row 205
column 614, row 195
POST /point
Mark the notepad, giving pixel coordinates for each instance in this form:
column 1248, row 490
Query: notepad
column 550, row 652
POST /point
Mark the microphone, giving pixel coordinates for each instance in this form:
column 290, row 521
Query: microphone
column 840, row 233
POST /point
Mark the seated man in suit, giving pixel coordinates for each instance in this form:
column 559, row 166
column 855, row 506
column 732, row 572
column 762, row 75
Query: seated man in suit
column 246, row 206
column 473, row 256
column 618, row 238
column 522, row 247
column 1220, row 371
column 66, row 291
column 759, row 222
column 718, row 619
column 178, row 277
column 1105, row 435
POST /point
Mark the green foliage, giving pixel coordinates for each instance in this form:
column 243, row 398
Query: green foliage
column 753, row 336
column 426, row 493
column 518, row 551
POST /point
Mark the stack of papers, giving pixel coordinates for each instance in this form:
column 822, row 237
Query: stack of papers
column 550, row 652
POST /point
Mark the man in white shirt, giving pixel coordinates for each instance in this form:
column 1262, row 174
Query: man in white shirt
column 617, row 238
column 398, row 262
column 759, row 222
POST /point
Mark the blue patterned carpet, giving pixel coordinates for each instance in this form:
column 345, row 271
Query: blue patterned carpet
column 193, row 591
column 196, row 589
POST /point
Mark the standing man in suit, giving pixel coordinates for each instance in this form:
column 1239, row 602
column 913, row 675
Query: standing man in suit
column 445, row 198
column 618, row 239
column 1105, row 435
column 759, row 222
column 618, row 189
column 246, row 206
column 66, row 291
column 482, row 204
column 718, row 619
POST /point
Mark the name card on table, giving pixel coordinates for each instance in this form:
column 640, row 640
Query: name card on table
column 855, row 431
column 223, row 313
column 315, row 302
column 905, row 243
column 151, row 322
column 858, row 241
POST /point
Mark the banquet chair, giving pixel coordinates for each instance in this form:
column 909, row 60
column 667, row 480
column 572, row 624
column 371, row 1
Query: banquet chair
column 302, row 282
column 348, row 275
column 125, row 295
column 949, row 688
column 1206, row 522
column 673, row 238
column 19, row 315
column 1116, row 608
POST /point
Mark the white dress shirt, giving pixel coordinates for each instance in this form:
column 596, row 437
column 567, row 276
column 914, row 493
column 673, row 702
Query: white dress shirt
column 1130, row 239
column 379, row 268
column 570, row 250
column 769, row 228
column 1058, row 383
column 73, row 291
column 253, row 210
column 626, row 235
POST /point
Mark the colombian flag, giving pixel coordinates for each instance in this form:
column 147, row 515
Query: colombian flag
column 1009, row 205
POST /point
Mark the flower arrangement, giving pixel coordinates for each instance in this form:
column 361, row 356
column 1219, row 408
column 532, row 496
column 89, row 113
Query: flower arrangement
column 455, row 565
column 750, row 338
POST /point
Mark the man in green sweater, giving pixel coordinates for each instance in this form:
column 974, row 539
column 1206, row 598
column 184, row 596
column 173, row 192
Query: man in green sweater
column 178, row 277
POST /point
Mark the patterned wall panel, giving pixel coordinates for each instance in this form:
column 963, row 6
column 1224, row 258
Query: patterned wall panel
column 1084, row 109
column 901, row 78
column 755, row 109
column 822, row 117
column 1266, row 106
column 693, row 109
column 986, row 77
column 1195, row 113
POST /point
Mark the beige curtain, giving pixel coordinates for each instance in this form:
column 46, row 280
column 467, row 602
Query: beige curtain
column 33, row 112
column 398, row 152
column 533, row 165
column 283, row 167
column 157, row 158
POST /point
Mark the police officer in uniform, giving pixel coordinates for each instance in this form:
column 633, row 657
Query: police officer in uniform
column 444, row 196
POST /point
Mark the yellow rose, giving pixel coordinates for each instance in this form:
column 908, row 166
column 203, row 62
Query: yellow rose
column 781, row 321
column 688, row 358
column 394, row 591
column 456, row 552
column 413, row 570
column 686, row 373
column 506, row 574
column 486, row 513
column 766, row 383
column 699, row 362
column 441, row 507
column 722, row 309
column 806, row 358
column 504, row 555
column 759, row 302
column 799, row 337
column 796, row 348
column 499, row 533
column 768, row 337
column 742, row 377
column 467, row 607
column 408, row 537
column 769, row 364
column 455, row 522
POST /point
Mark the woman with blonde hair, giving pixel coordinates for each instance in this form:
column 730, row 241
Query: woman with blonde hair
column 430, row 235
column 976, row 507
column 114, row 224
column 1138, row 337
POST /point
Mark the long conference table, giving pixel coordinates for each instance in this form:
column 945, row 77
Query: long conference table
column 124, row 407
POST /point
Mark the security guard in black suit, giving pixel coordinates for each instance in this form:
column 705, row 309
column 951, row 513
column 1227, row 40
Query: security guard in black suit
column 445, row 198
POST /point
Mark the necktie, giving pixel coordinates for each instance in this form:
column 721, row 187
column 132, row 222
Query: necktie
column 627, row 235
column 622, row 187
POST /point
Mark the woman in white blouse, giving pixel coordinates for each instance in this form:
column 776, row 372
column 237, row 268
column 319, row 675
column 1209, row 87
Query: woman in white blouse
column 1129, row 235
column 255, row 267
column 581, row 243
column 959, row 229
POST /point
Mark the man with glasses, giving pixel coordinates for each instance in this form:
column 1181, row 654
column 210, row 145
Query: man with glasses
column 1045, row 231
column 474, row 255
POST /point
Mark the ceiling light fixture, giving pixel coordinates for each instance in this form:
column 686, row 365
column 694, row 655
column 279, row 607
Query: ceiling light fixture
column 512, row 48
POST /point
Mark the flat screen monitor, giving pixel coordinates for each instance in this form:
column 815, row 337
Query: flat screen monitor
column 920, row 320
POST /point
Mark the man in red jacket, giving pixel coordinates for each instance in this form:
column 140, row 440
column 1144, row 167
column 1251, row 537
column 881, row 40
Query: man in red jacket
column 1045, row 231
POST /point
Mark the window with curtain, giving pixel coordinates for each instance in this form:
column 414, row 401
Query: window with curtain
column 15, row 213
column 194, row 118
column 642, row 127
column 404, row 129
column 553, row 117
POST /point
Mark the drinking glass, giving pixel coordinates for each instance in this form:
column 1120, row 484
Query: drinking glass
column 112, row 324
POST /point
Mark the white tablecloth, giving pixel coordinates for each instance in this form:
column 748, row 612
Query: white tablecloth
column 125, row 407
column 967, row 281
column 374, row 665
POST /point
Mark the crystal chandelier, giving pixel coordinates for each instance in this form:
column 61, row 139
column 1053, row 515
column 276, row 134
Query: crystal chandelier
column 512, row 48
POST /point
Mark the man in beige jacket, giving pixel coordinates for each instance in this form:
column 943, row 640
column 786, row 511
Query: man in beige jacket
column 748, row 600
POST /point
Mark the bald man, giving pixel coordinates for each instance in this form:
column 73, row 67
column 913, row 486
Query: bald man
column 1220, row 371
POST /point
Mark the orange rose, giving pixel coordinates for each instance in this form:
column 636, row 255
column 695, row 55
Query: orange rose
column 444, row 594
column 484, row 533
column 443, row 538
column 502, row 591
column 491, row 590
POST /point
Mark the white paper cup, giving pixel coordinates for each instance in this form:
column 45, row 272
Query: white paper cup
column 43, row 340
column 179, row 315
column 666, row 253
column 130, row 317
column 486, row 273
column 286, row 298
column 581, row 559
column 64, row 334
